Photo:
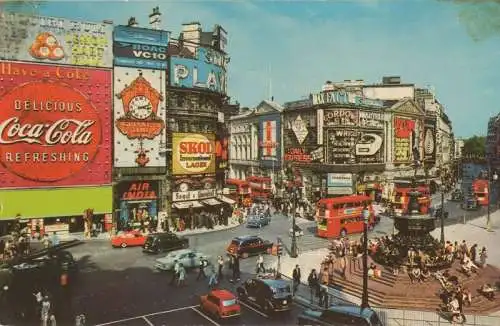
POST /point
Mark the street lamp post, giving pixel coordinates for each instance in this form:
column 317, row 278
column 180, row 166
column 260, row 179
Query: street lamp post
column 493, row 177
column 293, row 249
column 364, row 299
column 442, row 213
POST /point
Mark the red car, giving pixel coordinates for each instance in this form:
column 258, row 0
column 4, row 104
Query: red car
column 220, row 303
column 128, row 239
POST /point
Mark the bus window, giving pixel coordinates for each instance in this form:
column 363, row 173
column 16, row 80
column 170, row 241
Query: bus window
column 321, row 210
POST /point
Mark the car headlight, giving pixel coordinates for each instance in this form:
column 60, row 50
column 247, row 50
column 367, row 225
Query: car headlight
column 285, row 302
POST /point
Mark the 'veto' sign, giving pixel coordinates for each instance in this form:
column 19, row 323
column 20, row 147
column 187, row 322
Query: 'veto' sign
column 193, row 153
column 48, row 131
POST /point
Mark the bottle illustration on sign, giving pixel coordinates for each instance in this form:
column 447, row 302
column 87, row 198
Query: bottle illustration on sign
column 369, row 144
column 429, row 142
column 140, row 105
column 46, row 46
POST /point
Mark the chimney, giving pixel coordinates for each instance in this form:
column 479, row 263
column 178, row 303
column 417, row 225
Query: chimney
column 132, row 22
column 155, row 18
column 191, row 35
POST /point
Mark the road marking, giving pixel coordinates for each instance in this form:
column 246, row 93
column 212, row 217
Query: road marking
column 253, row 309
column 206, row 317
column 147, row 315
column 147, row 321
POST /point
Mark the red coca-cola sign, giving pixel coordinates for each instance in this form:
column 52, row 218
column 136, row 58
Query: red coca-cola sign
column 51, row 132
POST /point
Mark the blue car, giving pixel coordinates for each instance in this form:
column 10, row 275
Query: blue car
column 258, row 221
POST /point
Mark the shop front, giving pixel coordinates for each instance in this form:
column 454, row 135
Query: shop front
column 138, row 204
column 58, row 210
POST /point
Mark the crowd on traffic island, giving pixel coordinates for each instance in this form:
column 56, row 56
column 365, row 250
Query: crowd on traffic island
column 419, row 266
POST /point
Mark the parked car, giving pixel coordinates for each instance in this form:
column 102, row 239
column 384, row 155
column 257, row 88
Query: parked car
column 248, row 245
column 189, row 258
column 457, row 195
column 269, row 294
column 220, row 304
column 165, row 241
column 128, row 239
column 470, row 204
column 298, row 231
column 258, row 221
column 340, row 315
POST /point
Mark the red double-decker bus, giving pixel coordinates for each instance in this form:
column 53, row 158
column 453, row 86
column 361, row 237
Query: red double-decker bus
column 260, row 187
column 342, row 215
column 239, row 190
column 401, row 197
column 480, row 190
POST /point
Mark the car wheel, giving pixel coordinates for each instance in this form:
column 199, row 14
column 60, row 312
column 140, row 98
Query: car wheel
column 123, row 245
column 267, row 308
column 343, row 232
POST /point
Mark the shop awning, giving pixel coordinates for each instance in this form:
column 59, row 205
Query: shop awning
column 187, row 204
column 211, row 202
column 227, row 200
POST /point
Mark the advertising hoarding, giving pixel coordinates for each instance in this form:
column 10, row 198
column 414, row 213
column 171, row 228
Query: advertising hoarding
column 430, row 141
column 193, row 188
column 55, row 202
column 341, row 117
column 270, row 140
column 348, row 146
column 193, row 153
column 222, row 152
column 140, row 48
column 139, row 117
column 339, row 183
column 199, row 72
column 54, row 125
column 55, row 40
column 138, row 201
column 404, row 139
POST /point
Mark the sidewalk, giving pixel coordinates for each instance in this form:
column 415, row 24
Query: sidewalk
column 106, row 236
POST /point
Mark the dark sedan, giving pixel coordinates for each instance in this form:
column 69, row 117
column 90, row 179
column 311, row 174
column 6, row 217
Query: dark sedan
column 338, row 315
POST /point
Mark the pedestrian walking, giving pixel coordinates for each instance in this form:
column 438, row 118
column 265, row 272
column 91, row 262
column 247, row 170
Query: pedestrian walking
column 482, row 257
column 175, row 273
column 235, row 262
column 201, row 269
column 212, row 281
column 296, row 276
column 323, row 296
column 220, row 264
column 45, row 311
column 313, row 283
column 182, row 276
column 260, row 264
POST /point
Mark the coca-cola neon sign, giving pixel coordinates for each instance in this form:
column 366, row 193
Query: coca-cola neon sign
column 48, row 131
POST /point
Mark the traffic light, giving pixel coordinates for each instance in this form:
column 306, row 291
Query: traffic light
column 280, row 249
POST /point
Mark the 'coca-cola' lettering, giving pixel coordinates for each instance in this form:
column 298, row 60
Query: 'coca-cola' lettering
column 48, row 146
column 51, row 134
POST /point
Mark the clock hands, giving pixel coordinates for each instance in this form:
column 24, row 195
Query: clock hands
column 144, row 107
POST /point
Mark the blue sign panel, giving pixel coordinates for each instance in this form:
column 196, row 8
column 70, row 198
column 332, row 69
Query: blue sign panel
column 270, row 140
column 198, row 73
column 140, row 48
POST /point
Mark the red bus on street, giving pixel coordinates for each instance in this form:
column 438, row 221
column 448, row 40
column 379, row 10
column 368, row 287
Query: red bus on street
column 480, row 191
column 260, row 187
column 239, row 190
column 401, row 198
column 342, row 215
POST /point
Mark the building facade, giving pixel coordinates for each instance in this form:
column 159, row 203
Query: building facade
column 255, row 142
column 198, row 138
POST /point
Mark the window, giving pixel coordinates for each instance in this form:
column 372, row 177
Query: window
column 228, row 303
column 321, row 210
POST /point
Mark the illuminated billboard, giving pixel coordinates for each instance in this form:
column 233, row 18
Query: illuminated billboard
column 55, row 40
column 55, row 125
column 201, row 72
column 193, row 153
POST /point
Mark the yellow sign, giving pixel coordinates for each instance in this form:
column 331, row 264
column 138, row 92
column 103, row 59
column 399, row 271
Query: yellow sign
column 193, row 153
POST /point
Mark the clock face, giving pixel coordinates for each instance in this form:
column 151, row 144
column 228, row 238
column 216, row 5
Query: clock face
column 140, row 107
column 183, row 187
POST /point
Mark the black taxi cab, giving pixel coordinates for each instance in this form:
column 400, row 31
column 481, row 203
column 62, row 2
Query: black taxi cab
column 267, row 293
column 248, row 246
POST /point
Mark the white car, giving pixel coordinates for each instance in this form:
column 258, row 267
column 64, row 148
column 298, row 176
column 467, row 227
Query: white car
column 189, row 258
